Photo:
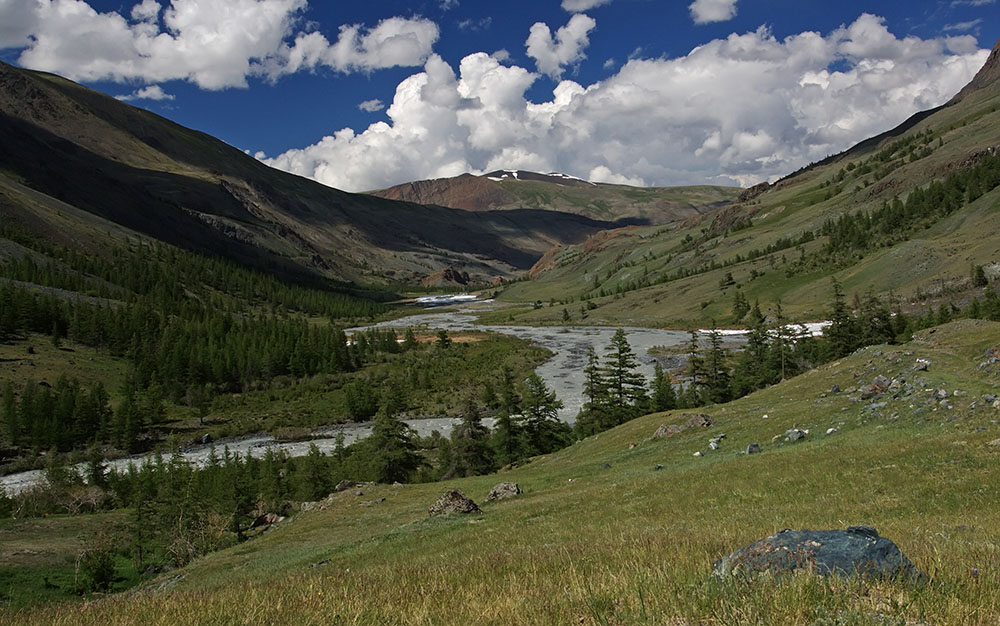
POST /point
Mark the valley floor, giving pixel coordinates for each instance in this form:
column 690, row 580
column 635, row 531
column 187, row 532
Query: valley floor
column 602, row 536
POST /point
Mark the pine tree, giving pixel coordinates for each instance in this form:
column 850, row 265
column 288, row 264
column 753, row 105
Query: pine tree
column 697, row 372
column 718, row 385
column 393, row 454
column 664, row 398
column 626, row 388
column 842, row 333
column 10, row 414
column 508, row 438
column 753, row 369
column 470, row 442
column 544, row 431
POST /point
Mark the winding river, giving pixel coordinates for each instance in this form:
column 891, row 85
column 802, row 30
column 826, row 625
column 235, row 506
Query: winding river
column 563, row 373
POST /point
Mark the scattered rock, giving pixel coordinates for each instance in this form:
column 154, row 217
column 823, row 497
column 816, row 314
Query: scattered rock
column 753, row 448
column 657, row 468
column 700, row 420
column 835, row 389
column 921, row 365
column 794, row 434
column 665, row 431
column 699, row 453
column 831, row 431
column 857, row 550
column 359, row 493
column 453, row 501
column 941, row 394
column 995, row 443
column 503, row 491
column 631, row 446
column 713, row 445
column 606, row 466
column 206, row 439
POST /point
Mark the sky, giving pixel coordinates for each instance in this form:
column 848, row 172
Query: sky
column 367, row 94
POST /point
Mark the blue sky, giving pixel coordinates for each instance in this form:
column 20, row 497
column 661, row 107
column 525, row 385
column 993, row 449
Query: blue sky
column 276, row 77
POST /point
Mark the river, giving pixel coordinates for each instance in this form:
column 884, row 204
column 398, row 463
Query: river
column 563, row 373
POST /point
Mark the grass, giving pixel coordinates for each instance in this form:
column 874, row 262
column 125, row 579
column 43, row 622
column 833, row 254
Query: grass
column 36, row 359
column 38, row 558
column 601, row 537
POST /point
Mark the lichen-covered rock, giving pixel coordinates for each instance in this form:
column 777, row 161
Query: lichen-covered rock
column 858, row 550
column 454, row 501
column 503, row 491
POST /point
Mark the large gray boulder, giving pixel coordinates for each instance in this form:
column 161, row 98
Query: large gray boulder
column 857, row 550
column 454, row 501
column 503, row 491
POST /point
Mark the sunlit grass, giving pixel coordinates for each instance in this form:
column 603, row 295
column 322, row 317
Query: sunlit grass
column 602, row 537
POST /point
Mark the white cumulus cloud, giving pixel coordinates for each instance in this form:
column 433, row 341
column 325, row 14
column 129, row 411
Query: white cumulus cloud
column 552, row 54
column 579, row 6
column 741, row 110
column 215, row 45
column 371, row 106
column 150, row 92
column 707, row 11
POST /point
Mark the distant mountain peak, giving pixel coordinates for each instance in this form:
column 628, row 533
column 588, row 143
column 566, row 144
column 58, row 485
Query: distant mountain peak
column 552, row 177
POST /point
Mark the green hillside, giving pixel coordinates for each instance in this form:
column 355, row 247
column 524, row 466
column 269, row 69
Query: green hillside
column 603, row 535
column 775, row 247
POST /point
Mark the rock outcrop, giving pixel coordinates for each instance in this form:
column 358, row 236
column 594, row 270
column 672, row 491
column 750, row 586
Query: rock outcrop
column 454, row 501
column 504, row 491
column 859, row 550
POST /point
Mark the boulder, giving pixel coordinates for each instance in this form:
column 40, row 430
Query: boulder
column 503, row 491
column 344, row 485
column 453, row 501
column 753, row 448
column 794, row 434
column 206, row 439
column 857, row 550
column 667, row 430
column 881, row 384
column 700, row 419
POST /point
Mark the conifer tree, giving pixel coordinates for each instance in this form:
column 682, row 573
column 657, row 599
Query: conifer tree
column 625, row 387
column 842, row 333
column 508, row 439
column 718, row 385
column 10, row 413
column 470, row 443
column 544, row 432
column 393, row 453
column 664, row 397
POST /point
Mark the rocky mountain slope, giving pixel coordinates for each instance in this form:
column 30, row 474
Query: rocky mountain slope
column 518, row 189
column 80, row 167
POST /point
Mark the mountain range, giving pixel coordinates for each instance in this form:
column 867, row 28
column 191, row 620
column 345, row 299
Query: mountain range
column 78, row 166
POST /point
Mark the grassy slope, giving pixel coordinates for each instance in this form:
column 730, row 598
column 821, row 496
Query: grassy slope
column 614, row 202
column 623, row 543
column 943, row 253
column 36, row 550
